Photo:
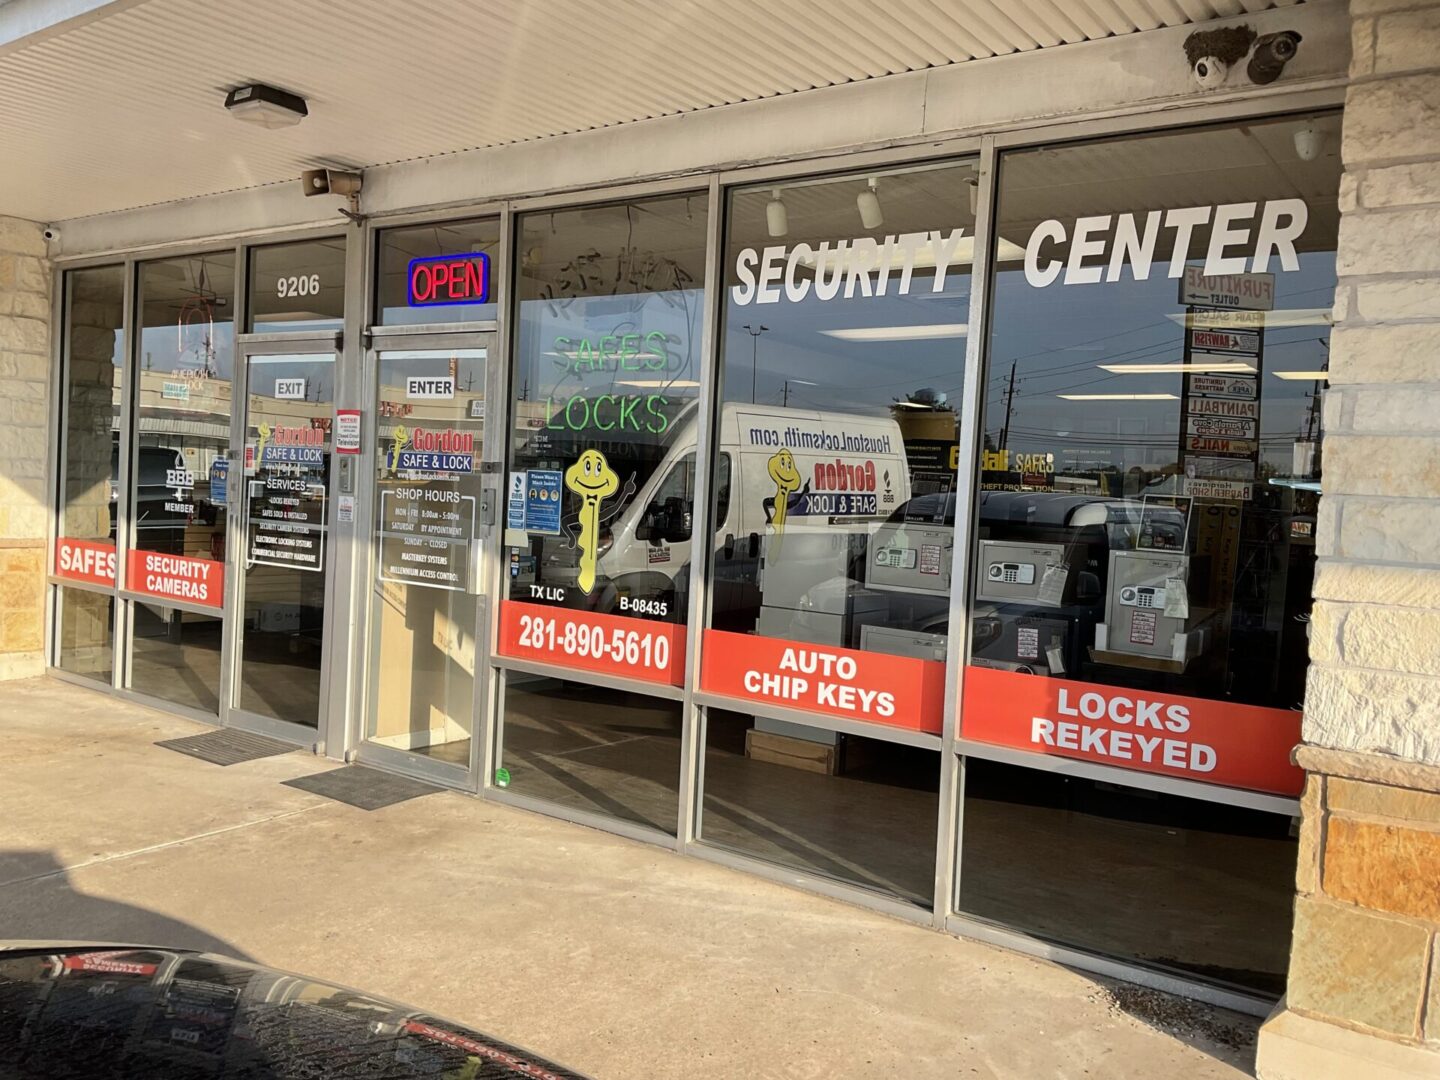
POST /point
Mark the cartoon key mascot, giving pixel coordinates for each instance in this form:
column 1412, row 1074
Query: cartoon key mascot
column 594, row 481
column 783, row 471
column 402, row 439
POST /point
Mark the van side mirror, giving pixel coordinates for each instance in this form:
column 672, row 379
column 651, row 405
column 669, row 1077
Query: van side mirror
column 667, row 524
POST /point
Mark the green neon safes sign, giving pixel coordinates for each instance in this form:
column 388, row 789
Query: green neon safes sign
column 613, row 352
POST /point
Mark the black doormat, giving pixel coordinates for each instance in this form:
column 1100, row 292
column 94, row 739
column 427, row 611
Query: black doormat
column 367, row 789
column 228, row 747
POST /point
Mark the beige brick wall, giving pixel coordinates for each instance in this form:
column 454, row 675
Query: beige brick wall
column 1364, row 988
column 1375, row 647
column 24, row 411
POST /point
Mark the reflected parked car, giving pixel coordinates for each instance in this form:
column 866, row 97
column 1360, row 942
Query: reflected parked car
column 105, row 1011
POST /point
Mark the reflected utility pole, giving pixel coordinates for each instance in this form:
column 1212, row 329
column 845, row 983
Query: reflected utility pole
column 1009, row 408
column 754, row 354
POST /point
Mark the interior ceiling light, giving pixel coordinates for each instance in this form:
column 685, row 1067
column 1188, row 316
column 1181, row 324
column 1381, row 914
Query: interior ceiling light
column 899, row 333
column 777, row 220
column 868, row 203
column 266, row 106
column 974, row 185
column 660, row 384
column 1118, row 397
column 1303, row 376
column 1219, row 367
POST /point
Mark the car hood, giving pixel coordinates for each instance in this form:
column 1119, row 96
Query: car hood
column 90, row 1010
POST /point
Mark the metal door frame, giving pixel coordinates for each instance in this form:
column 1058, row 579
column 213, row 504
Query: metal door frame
column 384, row 339
column 237, row 533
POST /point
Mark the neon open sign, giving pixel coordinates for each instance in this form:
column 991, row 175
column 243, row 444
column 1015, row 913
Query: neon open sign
column 435, row 280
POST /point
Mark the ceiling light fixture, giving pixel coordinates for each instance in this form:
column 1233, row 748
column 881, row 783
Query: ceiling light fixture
column 1118, row 397
column 266, row 106
column 899, row 333
column 868, row 203
column 1303, row 376
column 1222, row 367
column 777, row 220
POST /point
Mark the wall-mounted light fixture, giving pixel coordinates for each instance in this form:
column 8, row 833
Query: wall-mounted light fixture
column 777, row 220
column 868, row 203
column 266, row 106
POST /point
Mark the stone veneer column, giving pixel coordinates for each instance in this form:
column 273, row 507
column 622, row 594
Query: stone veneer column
column 1364, row 990
column 24, row 411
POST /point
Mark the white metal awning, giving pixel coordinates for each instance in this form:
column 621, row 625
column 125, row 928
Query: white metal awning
column 110, row 106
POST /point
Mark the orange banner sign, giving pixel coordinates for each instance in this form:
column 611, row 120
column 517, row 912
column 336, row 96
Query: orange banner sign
column 85, row 560
column 587, row 640
column 1216, row 742
column 176, row 577
column 879, row 688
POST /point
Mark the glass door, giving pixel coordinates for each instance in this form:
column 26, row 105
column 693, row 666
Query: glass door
column 283, row 502
column 428, row 521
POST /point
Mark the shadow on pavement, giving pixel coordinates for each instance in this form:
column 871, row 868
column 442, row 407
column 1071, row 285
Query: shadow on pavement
column 1225, row 1035
column 38, row 903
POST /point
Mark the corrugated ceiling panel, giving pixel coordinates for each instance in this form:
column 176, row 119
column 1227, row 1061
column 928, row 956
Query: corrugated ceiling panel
column 126, row 110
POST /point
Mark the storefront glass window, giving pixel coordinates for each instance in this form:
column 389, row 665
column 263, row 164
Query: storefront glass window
column 94, row 346
column 1195, row 888
column 1151, row 458
column 298, row 286
column 179, row 474
column 599, row 500
column 83, row 630
column 590, row 748
column 843, row 346
column 842, row 353
column 855, row 810
column 441, row 273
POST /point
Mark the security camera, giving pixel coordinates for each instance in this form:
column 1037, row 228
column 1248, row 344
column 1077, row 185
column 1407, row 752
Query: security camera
column 1210, row 53
column 51, row 233
column 1272, row 53
column 1210, row 72
column 330, row 182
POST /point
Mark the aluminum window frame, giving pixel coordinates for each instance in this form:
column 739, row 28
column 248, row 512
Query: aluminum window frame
column 701, row 187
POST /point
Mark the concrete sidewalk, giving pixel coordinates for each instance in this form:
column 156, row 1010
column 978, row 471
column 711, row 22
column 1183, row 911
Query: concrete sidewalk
column 613, row 957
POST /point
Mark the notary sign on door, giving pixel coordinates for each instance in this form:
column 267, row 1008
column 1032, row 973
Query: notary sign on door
column 1215, row 742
